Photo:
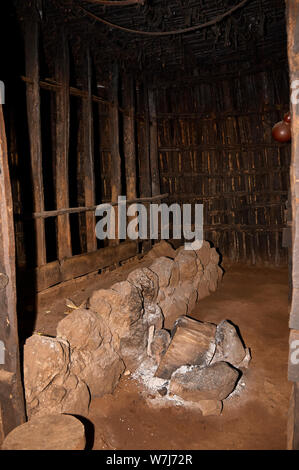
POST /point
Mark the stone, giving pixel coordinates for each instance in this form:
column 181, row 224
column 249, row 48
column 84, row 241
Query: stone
column 204, row 253
column 211, row 275
column 173, row 306
column 229, row 346
column 44, row 359
column 122, row 309
column 122, row 299
column 163, row 268
column 196, row 383
column 50, row 385
column 159, row 345
column 220, row 273
column 49, row 432
column 193, row 342
column 102, row 370
column 163, row 248
column 203, row 290
column 93, row 358
column 186, row 260
column 210, row 407
column 187, row 293
column 147, row 282
column 81, row 329
column 163, row 391
column 153, row 316
column 245, row 363
column 214, row 256
column 175, row 275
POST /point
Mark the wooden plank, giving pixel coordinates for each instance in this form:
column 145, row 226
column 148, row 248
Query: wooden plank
column 88, row 154
column 83, row 264
column 80, row 265
column 155, row 174
column 34, row 128
column 64, row 248
column 12, row 409
column 129, row 136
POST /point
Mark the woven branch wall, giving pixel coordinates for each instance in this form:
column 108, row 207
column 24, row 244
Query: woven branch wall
column 216, row 148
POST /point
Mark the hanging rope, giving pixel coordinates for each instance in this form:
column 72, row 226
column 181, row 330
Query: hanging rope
column 119, row 3
column 217, row 19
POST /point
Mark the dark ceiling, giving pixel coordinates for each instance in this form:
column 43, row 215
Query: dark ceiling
column 255, row 30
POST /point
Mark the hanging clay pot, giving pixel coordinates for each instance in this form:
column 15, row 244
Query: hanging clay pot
column 282, row 132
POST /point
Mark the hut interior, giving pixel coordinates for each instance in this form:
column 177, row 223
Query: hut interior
column 160, row 102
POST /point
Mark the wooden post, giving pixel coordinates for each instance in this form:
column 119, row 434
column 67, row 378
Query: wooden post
column 143, row 143
column 129, row 137
column 88, row 154
column 12, row 410
column 155, row 173
column 293, row 56
column 116, row 186
column 64, row 248
column 34, row 127
column 144, row 155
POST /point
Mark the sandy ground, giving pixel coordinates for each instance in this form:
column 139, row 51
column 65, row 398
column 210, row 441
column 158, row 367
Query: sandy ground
column 255, row 299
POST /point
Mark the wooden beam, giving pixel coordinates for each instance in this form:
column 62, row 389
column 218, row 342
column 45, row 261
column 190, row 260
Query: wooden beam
column 129, row 136
column 143, row 142
column 34, row 127
column 88, row 153
column 293, row 55
column 155, row 174
column 57, row 272
column 12, row 409
column 145, row 186
column 64, row 248
column 116, row 184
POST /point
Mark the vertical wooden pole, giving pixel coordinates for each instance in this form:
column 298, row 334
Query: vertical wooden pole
column 88, row 154
column 12, row 410
column 155, row 173
column 129, row 136
column 64, row 248
column 144, row 158
column 143, row 149
column 293, row 56
column 116, row 186
column 34, row 127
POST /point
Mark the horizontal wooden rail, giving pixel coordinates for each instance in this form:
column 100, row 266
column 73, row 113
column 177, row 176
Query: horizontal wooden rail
column 52, row 85
column 230, row 194
column 228, row 174
column 77, row 210
column 222, row 115
column 223, row 147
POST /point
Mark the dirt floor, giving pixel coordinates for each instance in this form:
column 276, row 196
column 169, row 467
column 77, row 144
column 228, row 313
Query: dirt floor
column 256, row 300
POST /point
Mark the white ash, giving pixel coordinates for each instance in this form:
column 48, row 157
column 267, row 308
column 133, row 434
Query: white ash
column 145, row 374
